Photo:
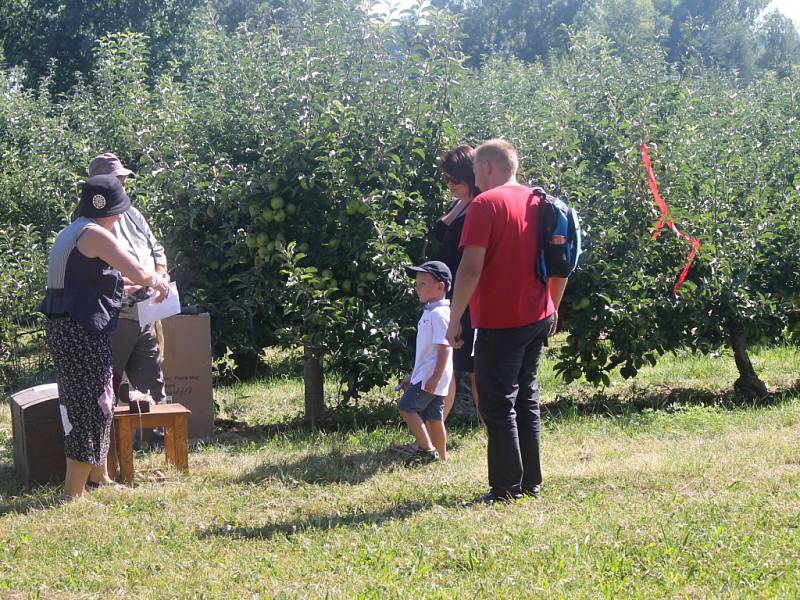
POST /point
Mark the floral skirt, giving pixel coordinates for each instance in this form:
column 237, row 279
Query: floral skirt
column 83, row 369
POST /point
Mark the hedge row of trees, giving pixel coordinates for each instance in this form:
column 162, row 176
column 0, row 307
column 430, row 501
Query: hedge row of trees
column 727, row 34
column 289, row 166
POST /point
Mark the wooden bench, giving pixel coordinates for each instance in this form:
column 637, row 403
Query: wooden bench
column 174, row 418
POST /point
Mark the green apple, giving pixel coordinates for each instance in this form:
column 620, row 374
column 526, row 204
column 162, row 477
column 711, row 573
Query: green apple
column 280, row 216
column 272, row 185
column 276, row 203
column 213, row 265
column 262, row 239
column 251, row 241
column 291, row 209
column 371, row 277
column 347, row 286
column 362, row 208
column 303, row 248
column 254, row 209
column 268, row 215
column 582, row 304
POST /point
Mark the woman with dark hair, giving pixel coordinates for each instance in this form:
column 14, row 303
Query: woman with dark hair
column 82, row 302
column 457, row 172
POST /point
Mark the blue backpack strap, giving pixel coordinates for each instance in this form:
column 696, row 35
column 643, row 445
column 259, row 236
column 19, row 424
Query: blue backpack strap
column 574, row 238
column 541, row 259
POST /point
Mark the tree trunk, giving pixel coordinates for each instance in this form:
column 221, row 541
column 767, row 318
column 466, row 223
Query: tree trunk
column 313, row 378
column 748, row 385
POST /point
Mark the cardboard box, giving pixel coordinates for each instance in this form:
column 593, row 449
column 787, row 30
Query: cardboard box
column 187, row 369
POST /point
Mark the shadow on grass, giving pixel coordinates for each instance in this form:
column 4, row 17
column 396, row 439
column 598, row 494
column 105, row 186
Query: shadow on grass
column 587, row 402
column 341, row 419
column 313, row 523
column 334, row 466
column 331, row 467
column 16, row 498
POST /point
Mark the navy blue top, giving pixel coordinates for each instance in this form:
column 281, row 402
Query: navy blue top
column 448, row 237
column 92, row 290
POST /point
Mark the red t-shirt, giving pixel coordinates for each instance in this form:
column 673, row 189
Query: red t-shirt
column 505, row 221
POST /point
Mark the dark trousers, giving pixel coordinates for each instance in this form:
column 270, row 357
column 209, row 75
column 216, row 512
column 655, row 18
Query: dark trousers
column 135, row 354
column 506, row 362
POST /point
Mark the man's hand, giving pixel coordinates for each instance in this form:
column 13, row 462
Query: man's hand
column 555, row 325
column 454, row 334
column 430, row 385
column 161, row 289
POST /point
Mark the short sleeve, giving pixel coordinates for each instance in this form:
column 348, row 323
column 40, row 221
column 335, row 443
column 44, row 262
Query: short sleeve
column 440, row 321
column 477, row 225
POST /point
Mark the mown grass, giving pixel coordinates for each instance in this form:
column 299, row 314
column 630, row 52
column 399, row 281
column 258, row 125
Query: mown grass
column 661, row 487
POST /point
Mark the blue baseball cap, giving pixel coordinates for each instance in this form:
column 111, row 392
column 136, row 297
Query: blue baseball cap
column 436, row 268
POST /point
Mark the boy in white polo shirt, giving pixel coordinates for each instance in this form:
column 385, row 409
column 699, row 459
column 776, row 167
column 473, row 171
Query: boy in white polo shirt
column 422, row 404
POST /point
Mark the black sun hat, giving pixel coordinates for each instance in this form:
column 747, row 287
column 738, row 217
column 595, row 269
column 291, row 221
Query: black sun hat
column 437, row 269
column 103, row 196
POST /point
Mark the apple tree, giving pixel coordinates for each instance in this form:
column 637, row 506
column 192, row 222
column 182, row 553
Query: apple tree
column 300, row 179
column 725, row 155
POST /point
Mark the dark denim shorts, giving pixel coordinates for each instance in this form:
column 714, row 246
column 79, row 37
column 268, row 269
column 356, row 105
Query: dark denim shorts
column 416, row 400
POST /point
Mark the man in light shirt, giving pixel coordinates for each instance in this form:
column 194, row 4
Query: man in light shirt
column 135, row 351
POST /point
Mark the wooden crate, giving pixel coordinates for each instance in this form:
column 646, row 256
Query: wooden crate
column 38, row 435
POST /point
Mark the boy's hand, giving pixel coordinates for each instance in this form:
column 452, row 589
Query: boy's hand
column 430, row 385
column 403, row 384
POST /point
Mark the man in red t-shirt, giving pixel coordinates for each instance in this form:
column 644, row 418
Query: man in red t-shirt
column 513, row 311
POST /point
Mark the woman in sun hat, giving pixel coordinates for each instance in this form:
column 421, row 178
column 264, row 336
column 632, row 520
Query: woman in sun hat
column 82, row 303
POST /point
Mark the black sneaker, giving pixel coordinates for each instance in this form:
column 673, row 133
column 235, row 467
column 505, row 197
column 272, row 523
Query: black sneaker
column 422, row 457
column 491, row 497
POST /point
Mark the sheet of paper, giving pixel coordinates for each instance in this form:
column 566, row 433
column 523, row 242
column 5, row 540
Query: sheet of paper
column 151, row 311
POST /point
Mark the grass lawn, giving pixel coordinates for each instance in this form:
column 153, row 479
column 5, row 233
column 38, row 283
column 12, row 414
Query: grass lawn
column 660, row 487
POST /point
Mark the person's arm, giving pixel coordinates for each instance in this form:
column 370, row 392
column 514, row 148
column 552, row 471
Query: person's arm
column 443, row 353
column 467, row 277
column 97, row 242
column 156, row 249
column 404, row 383
column 556, row 287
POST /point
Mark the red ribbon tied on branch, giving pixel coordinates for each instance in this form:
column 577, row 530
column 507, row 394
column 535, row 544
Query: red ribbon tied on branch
column 666, row 221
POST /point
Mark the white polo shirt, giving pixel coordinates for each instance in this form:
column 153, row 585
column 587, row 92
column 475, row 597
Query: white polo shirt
column 431, row 331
